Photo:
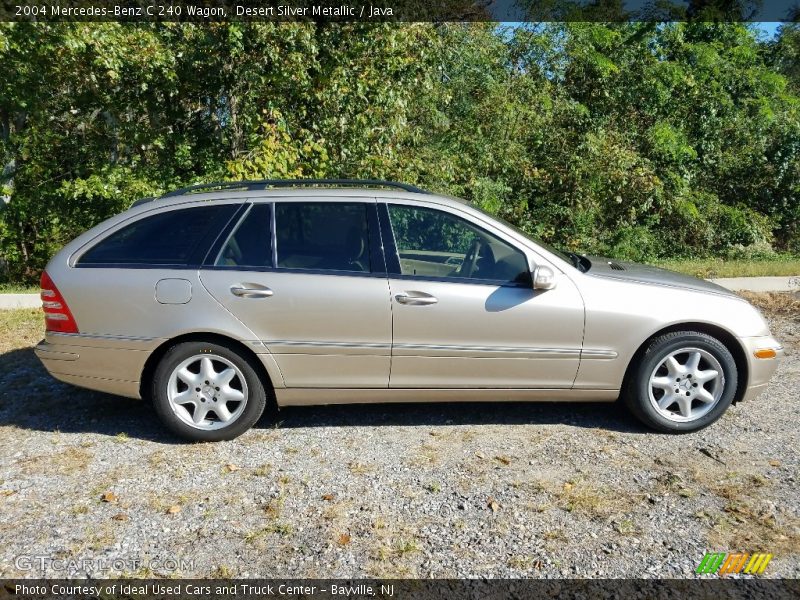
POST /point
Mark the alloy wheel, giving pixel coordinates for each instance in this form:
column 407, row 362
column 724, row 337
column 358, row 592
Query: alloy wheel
column 686, row 385
column 207, row 392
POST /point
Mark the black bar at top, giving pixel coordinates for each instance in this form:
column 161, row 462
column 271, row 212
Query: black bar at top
column 375, row 11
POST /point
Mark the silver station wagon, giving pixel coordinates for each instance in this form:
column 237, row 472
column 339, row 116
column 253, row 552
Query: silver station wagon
column 214, row 300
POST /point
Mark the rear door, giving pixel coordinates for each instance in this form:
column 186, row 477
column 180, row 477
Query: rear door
column 308, row 278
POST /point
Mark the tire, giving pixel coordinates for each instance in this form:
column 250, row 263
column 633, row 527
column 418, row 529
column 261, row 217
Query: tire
column 670, row 389
column 191, row 396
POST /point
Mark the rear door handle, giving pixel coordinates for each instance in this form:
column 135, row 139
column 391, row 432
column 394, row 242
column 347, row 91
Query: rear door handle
column 250, row 290
column 416, row 298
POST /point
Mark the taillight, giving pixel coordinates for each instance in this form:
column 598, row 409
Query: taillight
column 57, row 317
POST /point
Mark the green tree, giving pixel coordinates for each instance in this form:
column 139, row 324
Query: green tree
column 638, row 139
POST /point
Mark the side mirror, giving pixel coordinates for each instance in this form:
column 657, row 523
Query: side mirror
column 544, row 278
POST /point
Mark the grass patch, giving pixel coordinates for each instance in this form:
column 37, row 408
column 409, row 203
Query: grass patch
column 433, row 487
column 626, row 527
column 160, row 459
column 19, row 288
column 70, row 461
column 399, row 549
column 282, row 529
column 751, row 517
column 428, row 454
column 262, row 471
column 22, row 328
column 161, row 503
column 223, row 572
column 554, row 534
column 711, row 268
column 100, row 537
column 524, row 562
column 747, row 523
column 357, row 468
column 594, row 501
column 774, row 303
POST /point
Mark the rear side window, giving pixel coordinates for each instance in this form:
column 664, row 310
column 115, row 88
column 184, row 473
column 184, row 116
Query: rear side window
column 250, row 244
column 177, row 237
column 323, row 236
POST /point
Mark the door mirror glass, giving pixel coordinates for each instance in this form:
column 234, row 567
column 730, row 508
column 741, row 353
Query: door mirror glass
column 544, row 278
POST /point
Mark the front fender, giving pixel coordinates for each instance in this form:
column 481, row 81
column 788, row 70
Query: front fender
column 621, row 316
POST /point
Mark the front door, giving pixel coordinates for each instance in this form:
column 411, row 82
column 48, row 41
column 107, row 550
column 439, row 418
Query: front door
column 464, row 311
column 315, row 293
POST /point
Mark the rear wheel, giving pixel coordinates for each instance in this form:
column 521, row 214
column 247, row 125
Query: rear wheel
column 207, row 392
column 684, row 381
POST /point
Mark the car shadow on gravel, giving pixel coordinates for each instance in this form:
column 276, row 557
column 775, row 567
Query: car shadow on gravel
column 600, row 415
column 31, row 399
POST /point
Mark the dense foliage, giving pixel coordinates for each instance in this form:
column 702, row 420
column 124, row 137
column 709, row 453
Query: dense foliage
column 639, row 140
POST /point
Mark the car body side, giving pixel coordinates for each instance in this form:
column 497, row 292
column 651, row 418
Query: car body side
column 125, row 325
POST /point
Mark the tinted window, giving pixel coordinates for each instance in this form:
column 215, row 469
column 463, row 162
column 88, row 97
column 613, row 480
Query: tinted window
column 249, row 245
column 433, row 243
column 323, row 235
column 175, row 237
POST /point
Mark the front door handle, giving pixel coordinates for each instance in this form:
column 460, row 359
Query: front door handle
column 250, row 290
column 416, row 298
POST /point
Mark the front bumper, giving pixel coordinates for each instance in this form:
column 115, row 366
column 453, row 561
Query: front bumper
column 760, row 370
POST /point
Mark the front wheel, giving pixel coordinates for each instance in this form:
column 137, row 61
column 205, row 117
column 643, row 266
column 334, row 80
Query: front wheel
column 684, row 381
column 207, row 392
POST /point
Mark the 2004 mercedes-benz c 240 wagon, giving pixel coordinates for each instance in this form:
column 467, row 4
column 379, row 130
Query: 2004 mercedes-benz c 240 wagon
column 213, row 300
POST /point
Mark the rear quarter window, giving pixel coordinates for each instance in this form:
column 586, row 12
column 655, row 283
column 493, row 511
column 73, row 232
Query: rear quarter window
column 250, row 243
column 177, row 238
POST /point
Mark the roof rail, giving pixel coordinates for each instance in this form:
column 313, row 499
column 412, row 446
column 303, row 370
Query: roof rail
column 143, row 201
column 262, row 184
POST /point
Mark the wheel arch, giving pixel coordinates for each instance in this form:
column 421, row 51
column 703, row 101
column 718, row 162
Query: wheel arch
column 723, row 335
column 156, row 355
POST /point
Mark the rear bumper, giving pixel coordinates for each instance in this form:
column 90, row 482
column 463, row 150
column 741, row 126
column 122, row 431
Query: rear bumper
column 760, row 370
column 93, row 364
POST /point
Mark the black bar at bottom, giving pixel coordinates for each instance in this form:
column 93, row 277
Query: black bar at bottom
column 400, row 589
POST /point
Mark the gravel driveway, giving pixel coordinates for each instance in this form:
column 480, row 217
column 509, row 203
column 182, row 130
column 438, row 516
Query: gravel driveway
column 91, row 482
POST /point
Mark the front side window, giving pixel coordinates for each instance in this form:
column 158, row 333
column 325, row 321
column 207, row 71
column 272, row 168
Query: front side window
column 250, row 243
column 329, row 236
column 433, row 243
column 175, row 237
